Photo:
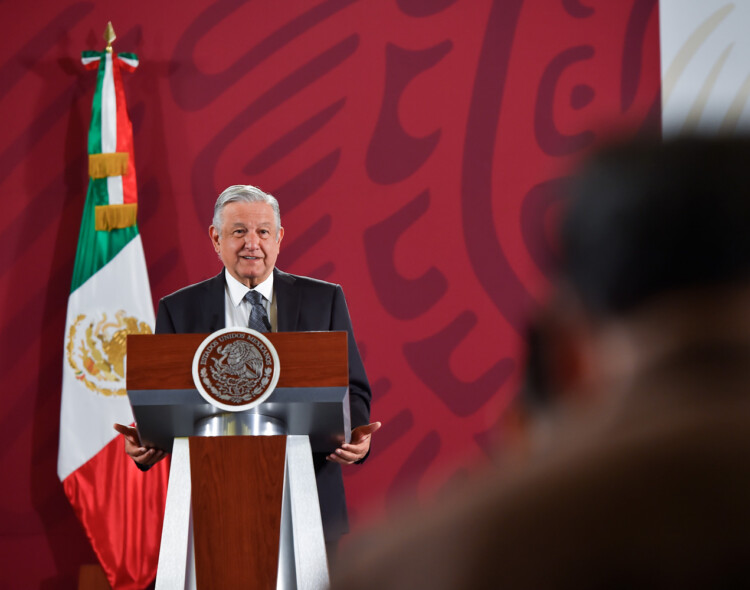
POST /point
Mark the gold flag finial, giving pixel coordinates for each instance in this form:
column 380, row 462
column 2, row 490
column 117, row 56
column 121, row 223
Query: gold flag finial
column 109, row 36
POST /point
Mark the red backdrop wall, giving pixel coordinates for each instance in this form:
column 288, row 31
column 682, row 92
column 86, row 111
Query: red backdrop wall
column 416, row 147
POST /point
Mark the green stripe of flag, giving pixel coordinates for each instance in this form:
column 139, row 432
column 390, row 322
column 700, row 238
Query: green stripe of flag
column 97, row 248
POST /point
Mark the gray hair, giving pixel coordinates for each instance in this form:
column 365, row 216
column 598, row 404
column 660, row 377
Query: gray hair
column 245, row 193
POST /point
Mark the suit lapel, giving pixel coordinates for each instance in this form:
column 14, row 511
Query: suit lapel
column 287, row 301
column 214, row 302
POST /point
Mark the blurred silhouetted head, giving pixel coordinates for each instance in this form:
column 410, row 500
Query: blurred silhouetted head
column 647, row 218
column 656, row 234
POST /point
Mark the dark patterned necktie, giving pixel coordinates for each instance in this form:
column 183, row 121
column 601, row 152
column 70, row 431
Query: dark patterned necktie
column 258, row 317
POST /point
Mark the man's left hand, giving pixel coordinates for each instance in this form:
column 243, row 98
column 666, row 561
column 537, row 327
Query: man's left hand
column 358, row 448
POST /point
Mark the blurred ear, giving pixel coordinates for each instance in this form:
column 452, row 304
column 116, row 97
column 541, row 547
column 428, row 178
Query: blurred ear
column 570, row 354
column 557, row 378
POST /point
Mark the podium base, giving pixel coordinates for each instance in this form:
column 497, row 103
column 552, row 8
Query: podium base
column 241, row 543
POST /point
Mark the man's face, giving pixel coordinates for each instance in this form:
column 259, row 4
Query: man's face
column 247, row 241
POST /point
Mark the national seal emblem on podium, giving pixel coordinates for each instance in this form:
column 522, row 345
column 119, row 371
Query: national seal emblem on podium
column 236, row 369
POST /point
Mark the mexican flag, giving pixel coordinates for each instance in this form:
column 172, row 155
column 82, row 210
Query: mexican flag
column 120, row 507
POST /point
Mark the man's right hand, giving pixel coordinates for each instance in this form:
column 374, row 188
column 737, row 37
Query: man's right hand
column 145, row 456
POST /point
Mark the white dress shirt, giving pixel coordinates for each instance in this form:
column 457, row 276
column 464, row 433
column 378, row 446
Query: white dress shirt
column 237, row 308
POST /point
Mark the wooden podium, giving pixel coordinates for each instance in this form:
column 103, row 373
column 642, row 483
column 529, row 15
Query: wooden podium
column 242, row 511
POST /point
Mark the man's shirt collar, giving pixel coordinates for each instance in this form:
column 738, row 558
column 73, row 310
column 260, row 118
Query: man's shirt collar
column 237, row 290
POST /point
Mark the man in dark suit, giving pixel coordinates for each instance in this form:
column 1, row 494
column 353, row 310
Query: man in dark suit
column 246, row 233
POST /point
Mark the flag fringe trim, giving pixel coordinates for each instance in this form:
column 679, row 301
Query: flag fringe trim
column 110, row 164
column 109, row 217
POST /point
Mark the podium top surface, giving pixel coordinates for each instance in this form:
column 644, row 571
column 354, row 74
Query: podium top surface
column 308, row 359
